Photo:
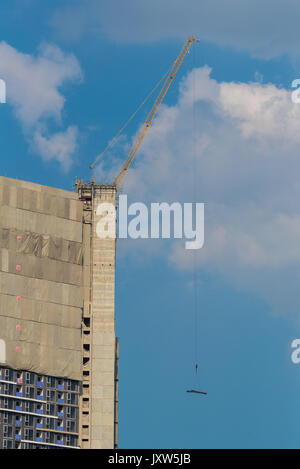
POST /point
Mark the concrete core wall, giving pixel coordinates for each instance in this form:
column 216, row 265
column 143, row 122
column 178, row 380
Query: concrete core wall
column 100, row 349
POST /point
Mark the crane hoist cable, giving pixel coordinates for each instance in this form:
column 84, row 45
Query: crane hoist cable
column 169, row 77
column 194, row 185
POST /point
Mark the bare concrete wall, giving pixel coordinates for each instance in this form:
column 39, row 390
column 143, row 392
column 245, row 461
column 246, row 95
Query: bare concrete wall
column 98, row 409
column 41, row 295
column 103, row 331
column 57, row 296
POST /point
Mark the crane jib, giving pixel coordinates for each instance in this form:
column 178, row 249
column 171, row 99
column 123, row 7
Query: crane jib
column 144, row 129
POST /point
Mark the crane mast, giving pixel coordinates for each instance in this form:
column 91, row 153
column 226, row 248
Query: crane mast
column 145, row 127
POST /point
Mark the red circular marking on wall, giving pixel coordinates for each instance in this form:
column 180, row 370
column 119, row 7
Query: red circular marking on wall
column 18, row 327
column 18, row 298
column 17, row 349
column 19, row 238
column 18, row 267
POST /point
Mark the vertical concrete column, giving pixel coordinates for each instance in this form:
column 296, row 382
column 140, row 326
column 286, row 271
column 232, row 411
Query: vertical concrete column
column 103, row 343
column 85, row 400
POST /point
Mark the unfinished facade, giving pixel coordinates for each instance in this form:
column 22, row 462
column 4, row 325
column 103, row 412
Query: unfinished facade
column 58, row 350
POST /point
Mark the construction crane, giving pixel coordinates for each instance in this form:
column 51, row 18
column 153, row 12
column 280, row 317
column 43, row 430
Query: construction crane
column 145, row 127
column 167, row 80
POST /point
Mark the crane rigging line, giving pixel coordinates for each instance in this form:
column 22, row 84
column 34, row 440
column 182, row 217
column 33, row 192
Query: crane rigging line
column 167, row 80
column 195, row 279
column 116, row 137
column 159, row 99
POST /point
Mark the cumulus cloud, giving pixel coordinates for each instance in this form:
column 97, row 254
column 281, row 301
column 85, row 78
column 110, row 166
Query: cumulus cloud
column 235, row 147
column 265, row 28
column 33, row 89
column 59, row 146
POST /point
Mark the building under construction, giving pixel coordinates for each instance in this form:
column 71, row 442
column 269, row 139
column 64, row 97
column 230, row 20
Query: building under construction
column 58, row 350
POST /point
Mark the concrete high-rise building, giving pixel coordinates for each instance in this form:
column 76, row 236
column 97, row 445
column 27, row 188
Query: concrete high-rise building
column 58, row 350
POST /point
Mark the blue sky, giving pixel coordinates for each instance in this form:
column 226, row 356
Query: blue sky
column 75, row 71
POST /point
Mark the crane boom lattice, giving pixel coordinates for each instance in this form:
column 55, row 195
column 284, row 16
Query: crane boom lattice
column 145, row 127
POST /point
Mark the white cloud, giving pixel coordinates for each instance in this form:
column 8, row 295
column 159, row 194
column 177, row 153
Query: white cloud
column 265, row 28
column 239, row 155
column 33, row 89
column 59, row 146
